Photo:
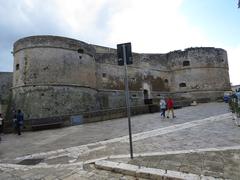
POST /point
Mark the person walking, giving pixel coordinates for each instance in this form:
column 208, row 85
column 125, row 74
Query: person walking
column 1, row 126
column 19, row 122
column 163, row 107
column 170, row 106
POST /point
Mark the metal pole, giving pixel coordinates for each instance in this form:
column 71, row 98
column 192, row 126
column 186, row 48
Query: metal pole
column 127, row 100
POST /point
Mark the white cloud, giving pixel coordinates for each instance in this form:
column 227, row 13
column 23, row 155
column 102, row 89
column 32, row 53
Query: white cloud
column 153, row 26
column 79, row 15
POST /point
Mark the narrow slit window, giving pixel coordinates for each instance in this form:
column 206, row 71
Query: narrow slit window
column 17, row 66
column 104, row 75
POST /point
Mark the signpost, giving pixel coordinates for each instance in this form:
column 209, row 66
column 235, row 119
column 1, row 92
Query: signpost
column 124, row 53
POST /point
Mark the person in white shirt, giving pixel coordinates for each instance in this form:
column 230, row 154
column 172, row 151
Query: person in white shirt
column 162, row 107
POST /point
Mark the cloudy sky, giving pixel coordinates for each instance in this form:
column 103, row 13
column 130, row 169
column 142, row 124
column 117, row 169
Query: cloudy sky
column 153, row 26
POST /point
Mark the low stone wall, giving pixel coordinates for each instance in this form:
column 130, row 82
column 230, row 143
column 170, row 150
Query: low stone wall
column 84, row 117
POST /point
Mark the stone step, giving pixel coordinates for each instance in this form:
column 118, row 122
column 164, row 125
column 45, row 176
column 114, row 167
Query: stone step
column 148, row 173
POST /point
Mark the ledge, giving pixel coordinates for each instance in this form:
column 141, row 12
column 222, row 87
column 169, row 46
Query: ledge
column 148, row 173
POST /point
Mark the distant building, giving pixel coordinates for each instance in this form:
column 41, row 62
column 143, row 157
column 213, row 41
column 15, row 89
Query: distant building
column 236, row 88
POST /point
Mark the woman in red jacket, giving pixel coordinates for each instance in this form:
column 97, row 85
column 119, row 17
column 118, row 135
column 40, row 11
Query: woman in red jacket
column 170, row 107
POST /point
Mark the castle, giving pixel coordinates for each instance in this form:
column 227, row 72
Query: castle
column 57, row 76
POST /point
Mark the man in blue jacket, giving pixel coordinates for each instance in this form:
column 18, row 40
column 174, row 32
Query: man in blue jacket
column 19, row 122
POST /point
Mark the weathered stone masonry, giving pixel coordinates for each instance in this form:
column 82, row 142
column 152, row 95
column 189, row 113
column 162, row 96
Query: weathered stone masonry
column 5, row 92
column 55, row 76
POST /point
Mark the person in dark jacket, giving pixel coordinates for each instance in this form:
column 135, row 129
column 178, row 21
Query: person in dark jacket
column 19, row 122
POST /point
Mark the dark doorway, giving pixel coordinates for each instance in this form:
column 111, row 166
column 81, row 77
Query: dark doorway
column 145, row 94
column 146, row 97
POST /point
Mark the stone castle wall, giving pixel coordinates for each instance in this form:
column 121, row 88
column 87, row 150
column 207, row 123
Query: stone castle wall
column 199, row 73
column 6, row 79
column 53, row 76
column 56, row 76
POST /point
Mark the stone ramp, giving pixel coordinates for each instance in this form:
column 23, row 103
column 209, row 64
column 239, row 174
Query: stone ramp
column 223, row 163
column 148, row 173
column 198, row 164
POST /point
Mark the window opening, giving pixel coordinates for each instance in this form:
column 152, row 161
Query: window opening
column 17, row 66
column 80, row 51
column 186, row 63
column 182, row 85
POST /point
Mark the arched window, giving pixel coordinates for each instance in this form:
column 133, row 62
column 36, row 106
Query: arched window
column 166, row 80
column 186, row 63
column 182, row 85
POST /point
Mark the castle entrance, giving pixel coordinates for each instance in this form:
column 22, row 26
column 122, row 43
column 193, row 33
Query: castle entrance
column 145, row 94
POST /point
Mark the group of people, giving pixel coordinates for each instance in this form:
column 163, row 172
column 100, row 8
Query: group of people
column 167, row 105
column 18, row 118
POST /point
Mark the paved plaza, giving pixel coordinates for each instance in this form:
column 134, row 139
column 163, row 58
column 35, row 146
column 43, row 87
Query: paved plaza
column 68, row 153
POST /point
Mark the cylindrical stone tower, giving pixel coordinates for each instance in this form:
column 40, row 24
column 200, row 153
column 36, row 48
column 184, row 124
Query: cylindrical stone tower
column 53, row 76
column 199, row 73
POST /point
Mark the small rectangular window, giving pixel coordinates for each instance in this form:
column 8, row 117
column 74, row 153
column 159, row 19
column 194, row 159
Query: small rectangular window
column 104, row 75
column 80, row 51
column 134, row 95
column 17, row 66
column 186, row 63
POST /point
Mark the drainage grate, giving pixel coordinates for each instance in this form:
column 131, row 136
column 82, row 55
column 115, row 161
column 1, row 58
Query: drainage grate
column 30, row 161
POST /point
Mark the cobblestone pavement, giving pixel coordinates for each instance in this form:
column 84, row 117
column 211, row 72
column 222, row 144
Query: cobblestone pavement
column 42, row 141
column 67, row 151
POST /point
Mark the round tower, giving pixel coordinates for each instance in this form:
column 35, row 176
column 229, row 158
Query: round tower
column 53, row 76
column 199, row 73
